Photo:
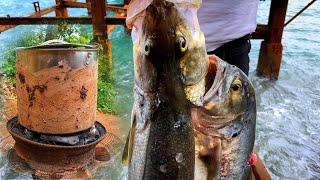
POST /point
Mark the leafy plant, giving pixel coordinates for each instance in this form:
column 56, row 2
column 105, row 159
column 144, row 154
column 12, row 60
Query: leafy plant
column 106, row 87
column 9, row 57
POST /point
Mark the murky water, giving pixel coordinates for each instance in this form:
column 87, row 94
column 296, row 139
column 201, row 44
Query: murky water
column 288, row 123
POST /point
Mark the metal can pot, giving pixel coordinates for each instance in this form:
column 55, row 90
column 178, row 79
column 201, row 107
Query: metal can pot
column 57, row 87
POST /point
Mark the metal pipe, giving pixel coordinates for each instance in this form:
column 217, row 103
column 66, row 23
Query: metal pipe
column 301, row 11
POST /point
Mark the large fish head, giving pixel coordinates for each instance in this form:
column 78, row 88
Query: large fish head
column 170, row 37
column 162, row 114
column 231, row 93
column 194, row 62
column 229, row 114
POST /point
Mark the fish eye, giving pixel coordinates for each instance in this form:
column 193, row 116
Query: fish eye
column 182, row 44
column 236, row 85
column 146, row 49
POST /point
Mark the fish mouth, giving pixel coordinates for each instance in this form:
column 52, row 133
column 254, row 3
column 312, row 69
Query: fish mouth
column 194, row 93
column 219, row 122
column 184, row 79
column 213, row 125
column 195, row 90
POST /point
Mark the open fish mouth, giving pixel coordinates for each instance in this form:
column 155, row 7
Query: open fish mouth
column 219, row 122
column 208, row 124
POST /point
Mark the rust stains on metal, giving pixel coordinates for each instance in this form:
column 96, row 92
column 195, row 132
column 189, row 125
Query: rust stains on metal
column 83, row 92
column 40, row 88
column 51, row 102
column 22, row 78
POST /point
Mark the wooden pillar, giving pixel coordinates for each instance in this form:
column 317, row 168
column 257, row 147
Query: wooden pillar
column 259, row 170
column 98, row 12
column 126, row 29
column 37, row 9
column 61, row 10
column 271, row 48
column 89, row 9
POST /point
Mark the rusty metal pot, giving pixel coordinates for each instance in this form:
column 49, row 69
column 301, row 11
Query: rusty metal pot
column 57, row 87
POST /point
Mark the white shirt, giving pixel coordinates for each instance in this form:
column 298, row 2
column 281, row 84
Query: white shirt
column 225, row 20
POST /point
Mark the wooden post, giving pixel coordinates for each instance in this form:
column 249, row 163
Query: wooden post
column 98, row 11
column 89, row 9
column 260, row 172
column 271, row 48
column 61, row 10
column 37, row 9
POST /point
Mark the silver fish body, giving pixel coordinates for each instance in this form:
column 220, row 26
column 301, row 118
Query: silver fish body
column 160, row 144
column 225, row 125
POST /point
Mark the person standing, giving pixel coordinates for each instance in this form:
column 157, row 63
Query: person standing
column 227, row 26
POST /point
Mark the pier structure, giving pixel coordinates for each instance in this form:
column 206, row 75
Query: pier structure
column 271, row 33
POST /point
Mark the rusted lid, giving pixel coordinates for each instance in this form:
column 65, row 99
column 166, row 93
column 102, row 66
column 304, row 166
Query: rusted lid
column 60, row 45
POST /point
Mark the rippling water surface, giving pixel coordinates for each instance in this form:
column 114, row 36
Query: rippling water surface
column 288, row 123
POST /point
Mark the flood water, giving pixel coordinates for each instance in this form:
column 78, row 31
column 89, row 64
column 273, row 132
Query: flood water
column 288, row 123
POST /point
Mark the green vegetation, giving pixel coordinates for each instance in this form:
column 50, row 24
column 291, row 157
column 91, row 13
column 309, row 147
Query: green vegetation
column 106, row 89
column 72, row 34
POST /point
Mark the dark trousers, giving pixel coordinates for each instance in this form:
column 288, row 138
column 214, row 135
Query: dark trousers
column 236, row 53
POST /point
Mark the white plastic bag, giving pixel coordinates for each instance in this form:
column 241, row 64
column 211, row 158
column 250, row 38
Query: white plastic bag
column 136, row 12
column 137, row 7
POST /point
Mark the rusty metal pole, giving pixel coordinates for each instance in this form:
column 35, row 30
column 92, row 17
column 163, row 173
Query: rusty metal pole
column 271, row 48
column 98, row 11
column 61, row 10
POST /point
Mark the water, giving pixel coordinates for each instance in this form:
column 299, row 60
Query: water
column 288, row 123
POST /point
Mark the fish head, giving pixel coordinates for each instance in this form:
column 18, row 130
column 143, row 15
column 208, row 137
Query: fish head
column 231, row 92
column 161, row 113
column 229, row 98
column 228, row 116
column 170, row 44
column 194, row 62
column 155, row 47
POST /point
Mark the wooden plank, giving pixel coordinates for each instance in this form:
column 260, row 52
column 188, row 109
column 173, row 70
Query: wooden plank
column 71, row 4
column 41, row 13
column 261, row 32
column 259, row 170
column 57, row 20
